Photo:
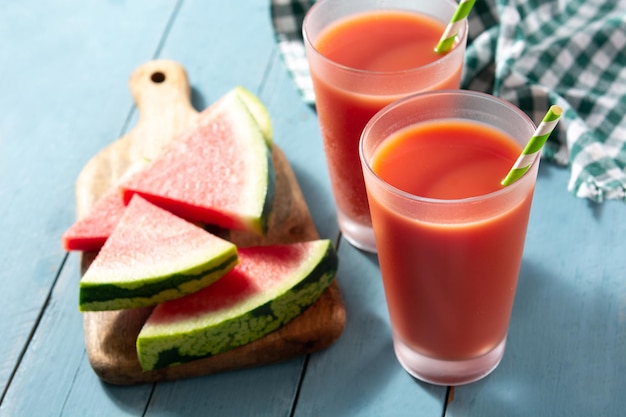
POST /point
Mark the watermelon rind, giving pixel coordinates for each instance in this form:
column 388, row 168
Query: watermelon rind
column 234, row 189
column 258, row 111
column 150, row 257
column 187, row 337
column 119, row 296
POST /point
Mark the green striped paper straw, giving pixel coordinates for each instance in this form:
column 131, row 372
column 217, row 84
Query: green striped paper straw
column 534, row 145
column 449, row 35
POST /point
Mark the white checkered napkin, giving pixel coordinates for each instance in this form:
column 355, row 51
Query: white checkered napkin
column 566, row 52
column 287, row 16
column 533, row 53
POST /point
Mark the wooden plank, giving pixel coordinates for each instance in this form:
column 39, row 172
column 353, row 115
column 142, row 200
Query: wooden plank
column 566, row 352
column 359, row 375
column 59, row 61
column 221, row 45
column 266, row 391
column 52, row 379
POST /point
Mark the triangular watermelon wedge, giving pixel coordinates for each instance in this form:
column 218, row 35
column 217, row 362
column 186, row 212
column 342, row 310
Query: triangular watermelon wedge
column 219, row 172
column 153, row 256
column 268, row 288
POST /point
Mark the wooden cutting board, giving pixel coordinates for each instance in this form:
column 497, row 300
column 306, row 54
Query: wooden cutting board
column 162, row 94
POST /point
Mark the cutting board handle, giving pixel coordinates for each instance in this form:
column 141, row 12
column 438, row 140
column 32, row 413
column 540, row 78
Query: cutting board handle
column 158, row 86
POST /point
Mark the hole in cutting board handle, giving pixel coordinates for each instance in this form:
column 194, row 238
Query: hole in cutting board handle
column 157, row 77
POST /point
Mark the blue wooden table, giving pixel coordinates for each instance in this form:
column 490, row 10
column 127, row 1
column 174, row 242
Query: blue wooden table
column 64, row 96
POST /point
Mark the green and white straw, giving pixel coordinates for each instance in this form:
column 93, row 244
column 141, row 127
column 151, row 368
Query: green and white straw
column 534, row 145
column 449, row 35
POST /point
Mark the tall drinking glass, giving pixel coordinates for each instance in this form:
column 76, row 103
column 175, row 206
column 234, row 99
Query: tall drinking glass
column 450, row 237
column 362, row 55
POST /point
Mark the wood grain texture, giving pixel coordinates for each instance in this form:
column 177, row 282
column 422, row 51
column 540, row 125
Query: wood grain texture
column 161, row 91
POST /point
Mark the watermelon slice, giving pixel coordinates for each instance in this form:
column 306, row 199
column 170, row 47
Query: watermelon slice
column 150, row 257
column 90, row 232
column 269, row 287
column 220, row 172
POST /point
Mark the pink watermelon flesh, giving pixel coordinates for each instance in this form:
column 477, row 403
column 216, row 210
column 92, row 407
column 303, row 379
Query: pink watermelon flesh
column 153, row 256
column 90, row 232
column 217, row 173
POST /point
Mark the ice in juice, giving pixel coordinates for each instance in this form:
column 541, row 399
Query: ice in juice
column 449, row 285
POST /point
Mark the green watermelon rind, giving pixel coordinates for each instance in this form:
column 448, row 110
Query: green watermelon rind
column 167, row 345
column 258, row 111
column 270, row 191
column 118, row 295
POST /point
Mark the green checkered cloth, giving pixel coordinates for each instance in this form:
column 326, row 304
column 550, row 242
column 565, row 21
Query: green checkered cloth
column 287, row 17
column 534, row 53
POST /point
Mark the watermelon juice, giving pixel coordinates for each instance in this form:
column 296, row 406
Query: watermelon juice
column 362, row 58
column 450, row 238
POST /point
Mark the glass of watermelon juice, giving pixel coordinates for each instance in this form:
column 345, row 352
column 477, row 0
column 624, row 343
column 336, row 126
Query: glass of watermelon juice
column 362, row 55
column 450, row 238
